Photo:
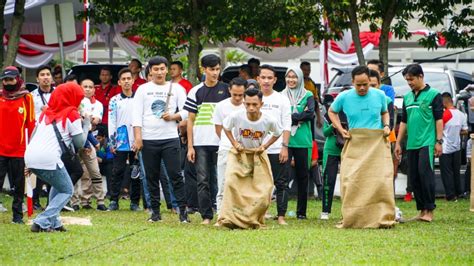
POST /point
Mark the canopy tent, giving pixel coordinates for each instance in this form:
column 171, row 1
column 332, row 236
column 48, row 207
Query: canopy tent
column 33, row 51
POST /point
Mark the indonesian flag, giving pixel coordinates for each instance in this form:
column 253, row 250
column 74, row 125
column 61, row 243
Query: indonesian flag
column 29, row 185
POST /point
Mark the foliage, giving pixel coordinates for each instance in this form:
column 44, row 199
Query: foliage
column 234, row 56
column 124, row 237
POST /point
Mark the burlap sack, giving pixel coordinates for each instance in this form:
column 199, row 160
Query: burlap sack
column 472, row 177
column 247, row 190
column 367, row 181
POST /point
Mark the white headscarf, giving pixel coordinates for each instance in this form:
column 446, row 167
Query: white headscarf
column 295, row 94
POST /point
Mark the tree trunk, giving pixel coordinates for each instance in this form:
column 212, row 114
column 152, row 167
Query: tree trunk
column 14, row 34
column 355, row 31
column 2, row 30
column 389, row 14
column 193, row 56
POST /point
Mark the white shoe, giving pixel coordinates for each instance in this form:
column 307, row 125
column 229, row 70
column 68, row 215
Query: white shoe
column 2, row 209
column 398, row 214
column 324, row 216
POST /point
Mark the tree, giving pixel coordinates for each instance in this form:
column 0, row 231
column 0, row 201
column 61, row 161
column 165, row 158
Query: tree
column 14, row 33
column 167, row 29
column 393, row 16
column 2, row 29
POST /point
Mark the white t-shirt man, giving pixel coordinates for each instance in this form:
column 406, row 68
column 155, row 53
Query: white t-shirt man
column 277, row 106
column 40, row 100
column 454, row 121
column 120, row 122
column 44, row 151
column 149, row 104
column 221, row 113
column 252, row 134
column 91, row 107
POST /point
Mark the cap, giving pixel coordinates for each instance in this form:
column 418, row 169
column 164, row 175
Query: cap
column 10, row 72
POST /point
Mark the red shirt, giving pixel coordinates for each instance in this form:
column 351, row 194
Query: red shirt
column 139, row 81
column 16, row 116
column 103, row 95
column 186, row 85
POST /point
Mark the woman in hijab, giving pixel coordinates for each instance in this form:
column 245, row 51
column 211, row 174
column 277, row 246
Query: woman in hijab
column 17, row 121
column 43, row 154
column 301, row 141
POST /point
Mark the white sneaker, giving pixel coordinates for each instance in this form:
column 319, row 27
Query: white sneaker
column 2, row 209
column 324, row 216
column 398, row 214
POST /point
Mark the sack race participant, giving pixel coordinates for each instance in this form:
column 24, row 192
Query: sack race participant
column 367, row 181
column 366, row 165
column 248, row 177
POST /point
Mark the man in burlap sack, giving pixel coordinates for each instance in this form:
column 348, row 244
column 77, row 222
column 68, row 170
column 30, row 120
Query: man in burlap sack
column 366, row 169
column 248, row 177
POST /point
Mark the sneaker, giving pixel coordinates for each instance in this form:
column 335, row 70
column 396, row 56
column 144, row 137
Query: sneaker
column 408, row 197
column 101, row 207
column 398, row 214
column 134, row 207
column 135, row 171
column 37, row 206
column 2, row 209
column 183, row 217
column 324, row 216
column 301, row 217
column 155, row 217
column 66, row 208
column 18, row 221
column 60, row 229
column 113, row 206
column 87, row 207
column 35, row 228
column 76, row 207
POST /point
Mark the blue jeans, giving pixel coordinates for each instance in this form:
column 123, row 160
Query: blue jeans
column 61, row 191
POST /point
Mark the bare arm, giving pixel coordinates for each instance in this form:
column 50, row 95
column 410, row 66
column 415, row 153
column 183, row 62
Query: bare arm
column 190, row 126
column 218, row 130
column 336, row 123
column 138, row 142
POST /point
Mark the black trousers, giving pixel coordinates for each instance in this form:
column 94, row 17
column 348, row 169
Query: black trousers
column 300, row 155
column 206, row 173
column 154, row 151
column 15, row 168
column 450, row 165
column 280, row 172
column 467, row 178
column 329, row 179
column 421, row 173
column 106, row 169
column 119, row 174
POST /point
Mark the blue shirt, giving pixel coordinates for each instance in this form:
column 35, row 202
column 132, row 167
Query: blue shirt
column 389, row 91
column 362, row 111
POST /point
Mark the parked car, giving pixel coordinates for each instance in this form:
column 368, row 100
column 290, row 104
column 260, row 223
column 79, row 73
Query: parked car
column 92, row 71
column 233, row 71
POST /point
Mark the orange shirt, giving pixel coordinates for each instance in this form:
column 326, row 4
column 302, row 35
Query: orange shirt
column 15, row 117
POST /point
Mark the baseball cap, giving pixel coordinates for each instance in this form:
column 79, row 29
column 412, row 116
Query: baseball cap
column 10, row 72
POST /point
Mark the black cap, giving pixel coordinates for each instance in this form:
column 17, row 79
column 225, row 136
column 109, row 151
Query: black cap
column 10, row 72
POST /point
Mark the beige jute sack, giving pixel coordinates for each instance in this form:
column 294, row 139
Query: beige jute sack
column 367, row 181
column 247, row 190
column 472, row 177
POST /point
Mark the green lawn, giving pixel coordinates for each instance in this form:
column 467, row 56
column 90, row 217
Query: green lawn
column 124, row 238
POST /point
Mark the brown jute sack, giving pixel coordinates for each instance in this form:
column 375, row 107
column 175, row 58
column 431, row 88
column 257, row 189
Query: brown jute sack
column 367, row 181
column 472, row 177
column 247, row 190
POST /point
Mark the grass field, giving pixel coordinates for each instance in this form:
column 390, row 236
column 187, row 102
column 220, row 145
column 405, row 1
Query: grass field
column 125, row 238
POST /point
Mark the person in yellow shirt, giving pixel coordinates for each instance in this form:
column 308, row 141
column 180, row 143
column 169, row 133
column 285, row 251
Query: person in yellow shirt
column 309, row 84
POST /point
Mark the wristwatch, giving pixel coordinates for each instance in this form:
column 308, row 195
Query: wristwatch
column 386, row 125
column 439, row 141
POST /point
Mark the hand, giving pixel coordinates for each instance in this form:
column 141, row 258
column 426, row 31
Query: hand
column 438, row 150
column 386, row 131
column 260, row 149
column 114, row 151
column 398, row 151
column 95, row 121
column 238, row 146
column 88, row 151
column 44, row 107
column 99, row 160
column 27, row 172
column 345, row 134
column 283, row 155
column 167, row 117
column 191, row 155
column 137, row 145
column 97, row 147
